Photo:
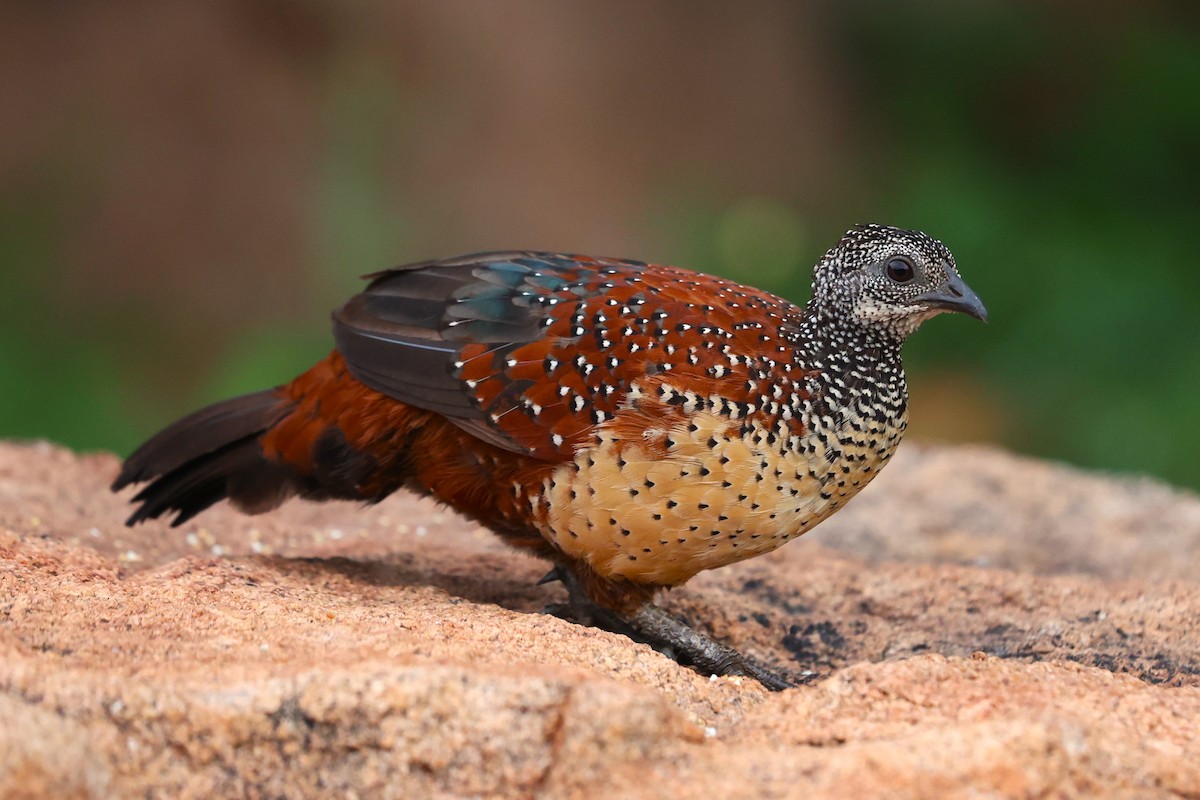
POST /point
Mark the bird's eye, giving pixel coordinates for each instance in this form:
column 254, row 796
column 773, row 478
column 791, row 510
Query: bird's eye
column 901, row 270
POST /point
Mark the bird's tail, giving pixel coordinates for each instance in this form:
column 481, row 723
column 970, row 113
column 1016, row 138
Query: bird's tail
column 208, row 456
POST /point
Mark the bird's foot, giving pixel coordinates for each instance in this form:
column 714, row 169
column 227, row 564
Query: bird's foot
column 666, row 634
column 706, row 655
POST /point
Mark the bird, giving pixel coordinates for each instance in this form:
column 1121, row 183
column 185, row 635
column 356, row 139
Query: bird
column 631, row 423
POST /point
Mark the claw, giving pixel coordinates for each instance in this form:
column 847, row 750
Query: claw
column 550, row 577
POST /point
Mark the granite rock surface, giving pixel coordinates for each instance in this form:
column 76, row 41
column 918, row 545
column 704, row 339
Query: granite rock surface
column 974, row 624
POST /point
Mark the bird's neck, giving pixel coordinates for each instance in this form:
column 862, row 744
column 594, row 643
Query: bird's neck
column 853, row 372
column 828, row 340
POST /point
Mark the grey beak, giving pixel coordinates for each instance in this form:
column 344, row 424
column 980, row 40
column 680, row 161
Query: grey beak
column 955, row 295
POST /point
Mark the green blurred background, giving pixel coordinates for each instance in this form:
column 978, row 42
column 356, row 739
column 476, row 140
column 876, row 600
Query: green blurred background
column 187, row 188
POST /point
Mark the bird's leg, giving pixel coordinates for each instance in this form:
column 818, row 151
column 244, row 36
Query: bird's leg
column 579, row 608
column 657, row 628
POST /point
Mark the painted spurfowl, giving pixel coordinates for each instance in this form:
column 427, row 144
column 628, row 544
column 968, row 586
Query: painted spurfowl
column 631, row 423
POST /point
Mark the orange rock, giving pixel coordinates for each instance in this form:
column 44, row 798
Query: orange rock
column 392, row 651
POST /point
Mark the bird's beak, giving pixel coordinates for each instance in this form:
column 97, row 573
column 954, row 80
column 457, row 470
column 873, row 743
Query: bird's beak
column 955, row 295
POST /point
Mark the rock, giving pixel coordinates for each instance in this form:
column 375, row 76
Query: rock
column 976, row 623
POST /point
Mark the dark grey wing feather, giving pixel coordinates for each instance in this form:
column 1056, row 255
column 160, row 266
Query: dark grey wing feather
column 402, row 334
column 412, row 369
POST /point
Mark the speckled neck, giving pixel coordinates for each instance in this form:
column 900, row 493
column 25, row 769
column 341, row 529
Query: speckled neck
column 852, row 366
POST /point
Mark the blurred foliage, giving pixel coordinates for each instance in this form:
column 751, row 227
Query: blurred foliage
column 52, row 386
column 1060, row 169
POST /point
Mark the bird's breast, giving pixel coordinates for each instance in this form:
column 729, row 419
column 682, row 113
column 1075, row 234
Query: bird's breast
column 708, row 490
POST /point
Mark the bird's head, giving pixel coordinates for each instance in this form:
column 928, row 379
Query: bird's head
column 890, row 279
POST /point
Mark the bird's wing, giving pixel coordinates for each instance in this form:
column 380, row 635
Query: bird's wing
column 528, row 351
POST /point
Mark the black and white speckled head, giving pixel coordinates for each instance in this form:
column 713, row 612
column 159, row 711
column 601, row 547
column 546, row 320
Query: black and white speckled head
column 891, row 280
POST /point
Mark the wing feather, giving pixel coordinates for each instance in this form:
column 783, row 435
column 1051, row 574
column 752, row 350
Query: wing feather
column 530, row 351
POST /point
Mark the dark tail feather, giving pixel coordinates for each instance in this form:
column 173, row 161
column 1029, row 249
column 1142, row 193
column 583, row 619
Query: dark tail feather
column 208, row 456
